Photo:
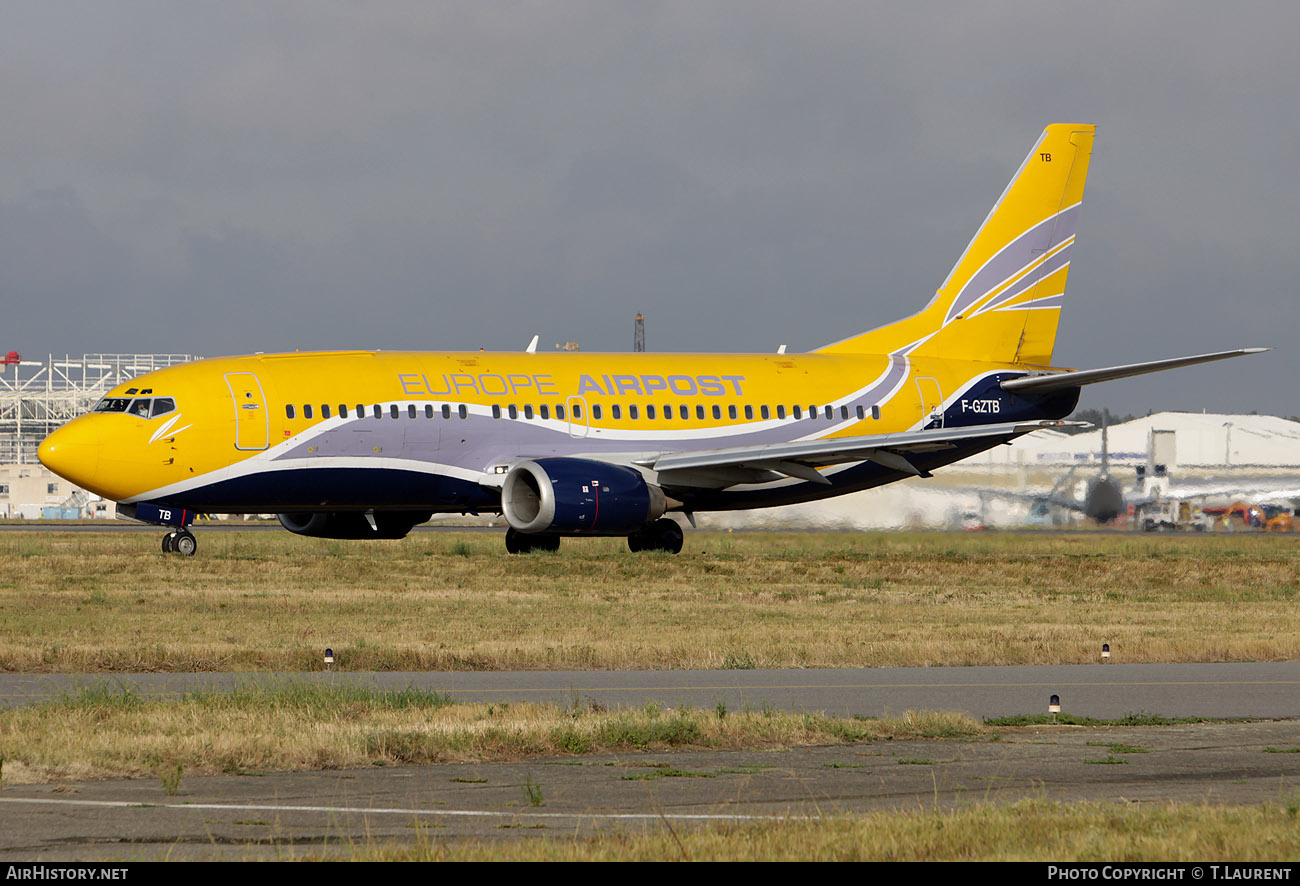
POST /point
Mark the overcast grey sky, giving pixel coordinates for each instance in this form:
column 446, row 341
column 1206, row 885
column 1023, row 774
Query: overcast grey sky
column 228, row 177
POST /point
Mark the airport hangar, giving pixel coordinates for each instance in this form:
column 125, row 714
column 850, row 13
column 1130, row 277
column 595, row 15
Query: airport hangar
column 35, row 398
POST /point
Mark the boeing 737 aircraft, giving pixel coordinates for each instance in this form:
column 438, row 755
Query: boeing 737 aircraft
column 361, row 444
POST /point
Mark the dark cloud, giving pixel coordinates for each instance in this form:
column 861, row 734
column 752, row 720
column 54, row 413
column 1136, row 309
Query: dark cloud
column 244, row 176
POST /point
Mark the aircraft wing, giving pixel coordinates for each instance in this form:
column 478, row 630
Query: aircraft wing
column 1069, row 504
column 1051, row 381
column 801, row 459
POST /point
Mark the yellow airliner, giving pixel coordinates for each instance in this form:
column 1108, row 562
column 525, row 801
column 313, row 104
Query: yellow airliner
column 361, row 444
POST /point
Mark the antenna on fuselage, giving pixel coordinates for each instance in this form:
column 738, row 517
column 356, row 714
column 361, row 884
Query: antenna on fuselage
column 1105, row 444
column 532, row 345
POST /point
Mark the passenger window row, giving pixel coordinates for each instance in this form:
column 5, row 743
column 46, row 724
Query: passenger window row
column 428, row 410
column 544, row 411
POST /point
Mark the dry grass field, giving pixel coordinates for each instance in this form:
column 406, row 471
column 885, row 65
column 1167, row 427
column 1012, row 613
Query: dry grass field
column 109, row 732
column 112, row 602
column 1029, row 830
column 254, row 601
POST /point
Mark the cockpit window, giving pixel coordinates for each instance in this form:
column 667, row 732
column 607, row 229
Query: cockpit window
column 143, row 407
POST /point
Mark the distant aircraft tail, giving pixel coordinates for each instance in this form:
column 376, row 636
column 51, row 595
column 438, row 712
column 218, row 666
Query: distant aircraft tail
column 1002, row 300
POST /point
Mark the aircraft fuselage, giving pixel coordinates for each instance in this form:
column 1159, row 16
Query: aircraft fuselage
column 371, row 430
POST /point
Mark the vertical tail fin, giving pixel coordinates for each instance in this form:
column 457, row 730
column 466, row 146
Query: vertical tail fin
column 1002, row 300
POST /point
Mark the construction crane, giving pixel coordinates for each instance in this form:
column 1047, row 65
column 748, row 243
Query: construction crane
column 638, row 340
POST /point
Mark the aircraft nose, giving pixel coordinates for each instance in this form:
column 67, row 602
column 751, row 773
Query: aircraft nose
column 72, row 452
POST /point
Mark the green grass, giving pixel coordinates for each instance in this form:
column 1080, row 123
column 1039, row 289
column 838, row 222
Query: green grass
column 1119, row 747
column 666, row 772
column 107, row 731
column 1136, row 719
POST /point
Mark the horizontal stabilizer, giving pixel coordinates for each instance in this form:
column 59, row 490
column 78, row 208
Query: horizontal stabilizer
column 1053, row 381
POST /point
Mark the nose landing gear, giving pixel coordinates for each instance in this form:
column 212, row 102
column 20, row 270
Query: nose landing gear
column 180, row 541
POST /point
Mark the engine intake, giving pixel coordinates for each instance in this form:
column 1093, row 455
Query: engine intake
column 577, row 496
column 352, row 524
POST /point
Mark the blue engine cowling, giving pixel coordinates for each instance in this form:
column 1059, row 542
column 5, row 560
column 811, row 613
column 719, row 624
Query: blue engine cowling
column 577, row 496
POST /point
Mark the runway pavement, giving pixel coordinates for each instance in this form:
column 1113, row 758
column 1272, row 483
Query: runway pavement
column 1267, row 690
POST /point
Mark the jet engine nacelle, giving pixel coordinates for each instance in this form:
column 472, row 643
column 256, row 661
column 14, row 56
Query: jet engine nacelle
column 1105, row 500
column 577, row 496
column 353, row 524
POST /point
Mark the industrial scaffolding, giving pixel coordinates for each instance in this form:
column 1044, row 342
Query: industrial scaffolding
column 36, row 397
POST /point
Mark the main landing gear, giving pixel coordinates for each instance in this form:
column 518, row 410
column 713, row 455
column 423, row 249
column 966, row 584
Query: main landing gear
column 661, row 535
column 522, row 543
column 180, row 541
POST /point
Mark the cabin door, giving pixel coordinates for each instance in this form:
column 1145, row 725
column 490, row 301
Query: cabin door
column 252, row 424
column 931, row 402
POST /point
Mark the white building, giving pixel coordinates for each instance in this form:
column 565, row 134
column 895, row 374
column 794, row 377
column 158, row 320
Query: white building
column 1181, row 441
